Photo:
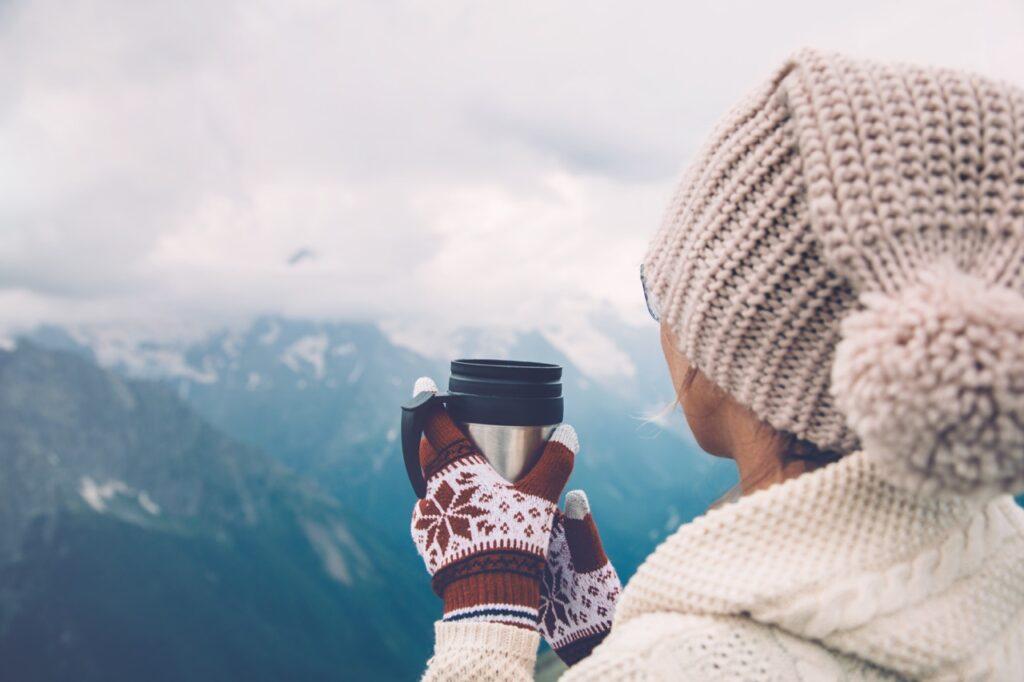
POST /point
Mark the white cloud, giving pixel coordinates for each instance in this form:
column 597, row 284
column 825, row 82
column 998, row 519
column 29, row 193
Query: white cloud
column 447, row 162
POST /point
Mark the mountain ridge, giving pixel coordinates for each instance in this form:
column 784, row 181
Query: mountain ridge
column 333, row 416
column 153, row 546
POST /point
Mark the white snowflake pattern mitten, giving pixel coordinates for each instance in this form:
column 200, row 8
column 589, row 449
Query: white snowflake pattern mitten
column 580, row 586
column 485, row 540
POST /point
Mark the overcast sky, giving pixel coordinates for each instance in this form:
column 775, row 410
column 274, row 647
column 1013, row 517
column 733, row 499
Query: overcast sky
column 432, row 163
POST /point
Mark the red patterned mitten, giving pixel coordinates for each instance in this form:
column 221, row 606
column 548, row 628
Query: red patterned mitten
column 485, row 540
column 580, row 586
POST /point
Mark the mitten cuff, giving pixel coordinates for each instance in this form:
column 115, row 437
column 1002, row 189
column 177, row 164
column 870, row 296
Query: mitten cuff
column 576, row 651
column 497, row 562
column 495, row 598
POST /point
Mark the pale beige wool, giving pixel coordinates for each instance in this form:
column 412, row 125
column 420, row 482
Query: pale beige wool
column 846, row 258
column 837, row 574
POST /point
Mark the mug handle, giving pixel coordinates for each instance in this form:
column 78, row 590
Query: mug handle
column 413, row 415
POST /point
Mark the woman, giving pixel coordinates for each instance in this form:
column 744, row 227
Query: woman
column 839, row 284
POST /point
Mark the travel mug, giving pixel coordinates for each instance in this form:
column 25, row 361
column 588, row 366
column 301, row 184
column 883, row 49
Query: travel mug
column 508, row 408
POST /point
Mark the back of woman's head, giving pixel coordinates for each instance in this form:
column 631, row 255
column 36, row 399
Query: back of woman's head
column 846, row 259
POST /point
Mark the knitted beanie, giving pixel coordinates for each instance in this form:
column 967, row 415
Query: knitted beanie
column 846, row 259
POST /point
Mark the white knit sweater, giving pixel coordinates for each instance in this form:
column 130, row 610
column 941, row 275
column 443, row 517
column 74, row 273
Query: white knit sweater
column 835, row 575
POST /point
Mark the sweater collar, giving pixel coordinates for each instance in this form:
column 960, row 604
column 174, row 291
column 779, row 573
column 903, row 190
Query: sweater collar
column 842, row 556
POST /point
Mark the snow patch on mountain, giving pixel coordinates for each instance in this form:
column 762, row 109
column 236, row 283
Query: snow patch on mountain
column 174, row 365
column 338, row 550
column 97, row 495
column 147, row 503
column 151, row 361
column 309, row 350
column 138, row 352
column 232, row 344
column 346, row 348
column 270, row 336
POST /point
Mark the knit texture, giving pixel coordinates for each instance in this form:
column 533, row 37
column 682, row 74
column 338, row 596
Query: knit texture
column 718, row 649
column 580, row 586
column 922, row 585
column 836, row 574
column 484, row 540
column 482, row 651
column 846, row 258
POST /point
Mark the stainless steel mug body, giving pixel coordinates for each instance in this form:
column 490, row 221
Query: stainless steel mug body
column 511, row 450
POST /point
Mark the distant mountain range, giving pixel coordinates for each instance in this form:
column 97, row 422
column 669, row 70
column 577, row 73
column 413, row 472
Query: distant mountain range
column 139, row 543
column 288, row 402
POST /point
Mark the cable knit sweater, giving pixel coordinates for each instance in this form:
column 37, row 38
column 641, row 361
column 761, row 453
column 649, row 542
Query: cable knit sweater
column 834, row 575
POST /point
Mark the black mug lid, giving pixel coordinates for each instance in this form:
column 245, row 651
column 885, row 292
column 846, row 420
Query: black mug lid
column 509, row 370
column 505, row 392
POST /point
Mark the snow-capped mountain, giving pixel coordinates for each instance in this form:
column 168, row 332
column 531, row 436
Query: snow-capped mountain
column 139, row 542
column 322, row 398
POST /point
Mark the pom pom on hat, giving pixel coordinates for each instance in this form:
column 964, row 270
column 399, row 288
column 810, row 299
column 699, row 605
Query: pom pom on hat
column 932, row 381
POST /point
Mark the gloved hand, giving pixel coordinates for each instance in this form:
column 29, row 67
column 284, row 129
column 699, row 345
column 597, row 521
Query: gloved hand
column 580, row 586
column 483, row 539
